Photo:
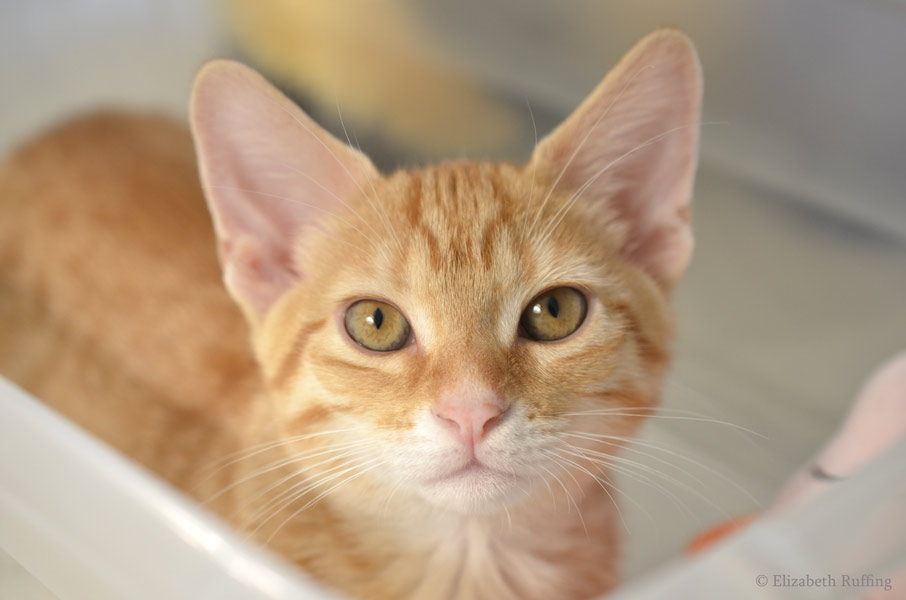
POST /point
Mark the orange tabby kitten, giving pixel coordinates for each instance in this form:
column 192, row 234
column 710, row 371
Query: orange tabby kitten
column 444, row 362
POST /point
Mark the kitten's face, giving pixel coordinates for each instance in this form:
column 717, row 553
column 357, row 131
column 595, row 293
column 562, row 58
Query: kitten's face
column 474, row 323
column 470, row 408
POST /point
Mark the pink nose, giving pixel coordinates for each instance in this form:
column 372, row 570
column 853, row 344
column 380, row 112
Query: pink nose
column 470, row 413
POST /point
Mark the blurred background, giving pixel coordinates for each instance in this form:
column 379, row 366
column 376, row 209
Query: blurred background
column 798, row 287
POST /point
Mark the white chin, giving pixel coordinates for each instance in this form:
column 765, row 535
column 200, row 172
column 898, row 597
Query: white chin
column 474, row 492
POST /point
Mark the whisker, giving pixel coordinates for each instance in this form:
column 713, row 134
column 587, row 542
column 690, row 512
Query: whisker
column 601, row 469
column 317, row 499
column 676, row 384
column 615, row 461
column 273, row 466
column 678, row 503
column 546, row 482
column 384, row 216
column 627, row 446
column 600, row 484
column 554, row 476
column 635, row 477
column 534, row 172
column 355, row 452
column 386, row 503
column 646, row 444
column 299, row 490
column 239, row 455
column 650, row 518
column 613, row 413
column 569, row 496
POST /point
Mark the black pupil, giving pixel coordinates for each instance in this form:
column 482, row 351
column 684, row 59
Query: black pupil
column 379, row 317
column 553, row 306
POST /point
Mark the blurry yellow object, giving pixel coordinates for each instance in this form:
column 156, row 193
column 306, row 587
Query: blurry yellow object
column 377, row 62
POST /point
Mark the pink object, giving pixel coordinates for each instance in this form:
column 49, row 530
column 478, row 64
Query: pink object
column 876, row 420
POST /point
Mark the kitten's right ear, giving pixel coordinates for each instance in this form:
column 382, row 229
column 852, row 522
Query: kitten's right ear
column 267, row 170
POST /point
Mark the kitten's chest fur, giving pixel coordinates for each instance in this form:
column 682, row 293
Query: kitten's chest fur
column 541, row 557
column 543, row 550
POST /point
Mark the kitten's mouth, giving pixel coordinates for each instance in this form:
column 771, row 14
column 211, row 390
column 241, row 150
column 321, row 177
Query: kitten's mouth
column 472, row 488
column 476, row 475
column 473, row 468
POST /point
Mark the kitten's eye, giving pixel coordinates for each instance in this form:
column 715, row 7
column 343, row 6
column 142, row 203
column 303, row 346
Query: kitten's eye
column 554, row 314
column 377, row 326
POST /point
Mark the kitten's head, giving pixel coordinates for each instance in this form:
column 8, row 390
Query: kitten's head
column 481, row 326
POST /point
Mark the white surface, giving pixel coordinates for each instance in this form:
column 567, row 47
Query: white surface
column 88, row 524
column 856, row 528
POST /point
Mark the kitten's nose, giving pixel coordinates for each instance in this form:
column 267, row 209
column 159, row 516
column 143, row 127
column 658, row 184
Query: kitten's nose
column 470, row 413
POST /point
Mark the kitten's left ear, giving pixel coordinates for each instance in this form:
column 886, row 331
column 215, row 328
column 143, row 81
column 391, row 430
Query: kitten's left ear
column 268, row 170
column 634, row 143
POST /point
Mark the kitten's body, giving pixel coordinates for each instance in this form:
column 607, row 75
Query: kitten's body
column 158, row 366
column 113, row 311
column 119, row 198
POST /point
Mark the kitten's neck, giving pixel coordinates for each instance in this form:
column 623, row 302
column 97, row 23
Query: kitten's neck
column 416, row 550
column 563, row 550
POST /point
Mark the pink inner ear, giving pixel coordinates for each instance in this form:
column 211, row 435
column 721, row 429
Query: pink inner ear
column 255, row 269
column 268, row 170
column 633, row 144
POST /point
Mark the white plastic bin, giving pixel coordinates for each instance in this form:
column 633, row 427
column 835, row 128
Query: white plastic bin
column 87, row 523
